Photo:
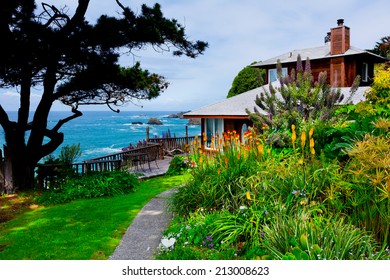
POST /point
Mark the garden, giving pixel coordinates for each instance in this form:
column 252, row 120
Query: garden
column 312, row 182
column 308, row 182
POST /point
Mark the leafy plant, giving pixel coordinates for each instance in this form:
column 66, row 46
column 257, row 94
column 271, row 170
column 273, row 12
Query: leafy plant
column 369, row 170
column 91, row 185
column 304, row 237
column 177, row 166
column 242, row 230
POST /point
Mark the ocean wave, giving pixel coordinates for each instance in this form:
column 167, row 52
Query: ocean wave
column 101, row 151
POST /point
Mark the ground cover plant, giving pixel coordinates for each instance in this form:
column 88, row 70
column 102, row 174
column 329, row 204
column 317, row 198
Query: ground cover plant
column 90, row 185
column 82, row 229
column 255, row 200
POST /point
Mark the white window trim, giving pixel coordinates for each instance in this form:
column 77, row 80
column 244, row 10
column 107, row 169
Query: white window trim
column 275, row 71
column 214, row 133
column 365, row 72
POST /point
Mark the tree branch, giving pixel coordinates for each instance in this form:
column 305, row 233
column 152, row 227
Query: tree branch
column 76, row 114
column 4, row 120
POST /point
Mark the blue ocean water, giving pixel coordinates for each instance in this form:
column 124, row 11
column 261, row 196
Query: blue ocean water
column 101, row 133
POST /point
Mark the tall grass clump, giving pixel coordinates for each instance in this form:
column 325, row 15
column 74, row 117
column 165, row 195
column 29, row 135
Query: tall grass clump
column 218, row 174
column 305, row 237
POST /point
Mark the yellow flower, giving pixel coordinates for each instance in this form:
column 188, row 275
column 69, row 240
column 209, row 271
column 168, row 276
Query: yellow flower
column 303, row 138
column 312, row 151
column 311, row 132
column 293, row 137
column 248, row 196
column 293, row 127
column 311, row 143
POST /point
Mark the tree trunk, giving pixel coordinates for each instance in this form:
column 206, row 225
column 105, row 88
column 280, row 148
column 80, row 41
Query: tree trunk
column 18, row 171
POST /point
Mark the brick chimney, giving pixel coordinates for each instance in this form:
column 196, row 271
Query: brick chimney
column 339, row 38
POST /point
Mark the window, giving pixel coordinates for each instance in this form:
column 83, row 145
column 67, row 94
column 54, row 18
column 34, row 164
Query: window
column 273, row 74
column 213, row 128
column 365, row 72
column 244, row 129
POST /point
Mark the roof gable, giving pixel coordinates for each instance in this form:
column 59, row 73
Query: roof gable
column 322, row 52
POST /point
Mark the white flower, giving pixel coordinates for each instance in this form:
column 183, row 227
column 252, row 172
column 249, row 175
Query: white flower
column 168, row 243
column 243, row 207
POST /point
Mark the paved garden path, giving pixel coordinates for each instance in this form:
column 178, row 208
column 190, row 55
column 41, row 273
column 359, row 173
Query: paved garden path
column 143, row 236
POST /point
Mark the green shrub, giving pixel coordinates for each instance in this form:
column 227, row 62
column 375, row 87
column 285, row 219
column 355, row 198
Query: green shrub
column 303, row 237
column 177, row 166
column 91, row 185
column 369, row 171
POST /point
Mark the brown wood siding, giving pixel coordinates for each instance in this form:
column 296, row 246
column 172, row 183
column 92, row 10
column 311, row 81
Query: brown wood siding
column 347, row 67
column 318, row 66
column 337, row 72
column 350, row 71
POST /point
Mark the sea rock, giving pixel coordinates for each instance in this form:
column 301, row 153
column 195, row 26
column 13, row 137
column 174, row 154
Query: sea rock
column 136, row 123
column 154, row 121
column 177, row 115
column 194, row 121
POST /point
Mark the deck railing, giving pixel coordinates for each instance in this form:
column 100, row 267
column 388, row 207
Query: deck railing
column 116, row 161
column 172, row 143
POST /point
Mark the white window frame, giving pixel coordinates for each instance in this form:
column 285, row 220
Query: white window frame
column 365, row 72
column 274, row 74
column 212, row 128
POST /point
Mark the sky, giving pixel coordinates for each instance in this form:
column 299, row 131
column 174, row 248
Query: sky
column 238, row 33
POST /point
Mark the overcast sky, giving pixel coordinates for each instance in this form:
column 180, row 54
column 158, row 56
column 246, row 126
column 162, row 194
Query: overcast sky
column 238, row 33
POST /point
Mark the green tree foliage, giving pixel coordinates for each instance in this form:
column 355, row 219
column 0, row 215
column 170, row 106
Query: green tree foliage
column 382, row 47
column 77, row 63
column 247, row 79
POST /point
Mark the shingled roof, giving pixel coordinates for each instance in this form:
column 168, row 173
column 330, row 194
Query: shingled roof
column 322, row 52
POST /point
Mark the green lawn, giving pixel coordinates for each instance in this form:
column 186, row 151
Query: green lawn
column 81, row 230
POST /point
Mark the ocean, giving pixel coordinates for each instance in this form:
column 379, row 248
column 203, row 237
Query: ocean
column 101, row 133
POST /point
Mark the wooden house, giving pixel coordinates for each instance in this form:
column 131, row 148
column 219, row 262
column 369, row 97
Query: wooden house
column 341, row 61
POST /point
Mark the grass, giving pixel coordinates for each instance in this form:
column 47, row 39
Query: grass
column 81, row 230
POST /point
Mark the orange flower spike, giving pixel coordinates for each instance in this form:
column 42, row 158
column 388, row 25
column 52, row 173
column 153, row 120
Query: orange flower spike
column 219, row 171
column 260, row 149
column 312, row 151
column 294, row 134
column 311, row 132
column 311, row 143
column 303, row 138
column 248, row 196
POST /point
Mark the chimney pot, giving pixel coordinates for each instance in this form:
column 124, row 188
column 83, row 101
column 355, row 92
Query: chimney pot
column 340, row 22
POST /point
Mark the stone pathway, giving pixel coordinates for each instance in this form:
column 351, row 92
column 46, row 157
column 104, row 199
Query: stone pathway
column 143, row 236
